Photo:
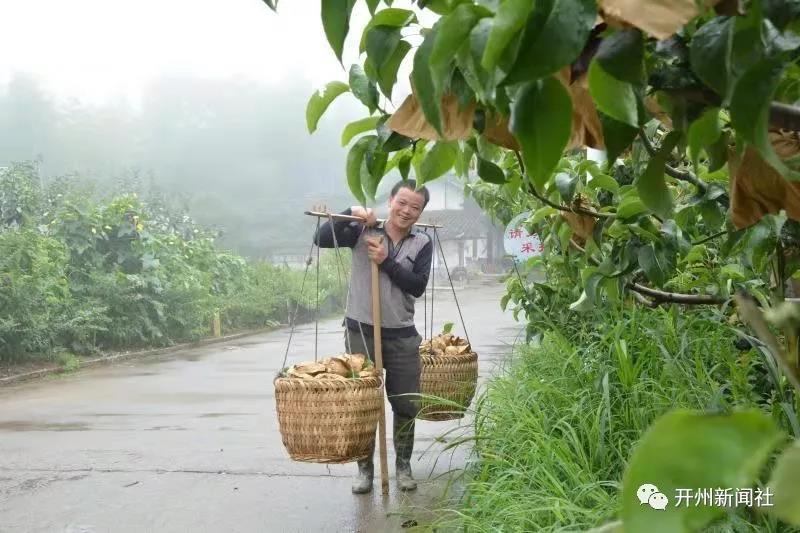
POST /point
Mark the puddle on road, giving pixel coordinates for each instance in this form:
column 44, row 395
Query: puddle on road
column 24, row 425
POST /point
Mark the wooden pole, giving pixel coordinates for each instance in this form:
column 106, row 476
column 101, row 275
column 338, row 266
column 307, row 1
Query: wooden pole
column 376, row 321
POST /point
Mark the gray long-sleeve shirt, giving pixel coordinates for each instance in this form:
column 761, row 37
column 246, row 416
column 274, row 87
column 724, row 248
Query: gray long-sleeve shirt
column 403, row 275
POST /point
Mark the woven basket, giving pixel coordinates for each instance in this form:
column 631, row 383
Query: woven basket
column 450, row 377
column 328, row 421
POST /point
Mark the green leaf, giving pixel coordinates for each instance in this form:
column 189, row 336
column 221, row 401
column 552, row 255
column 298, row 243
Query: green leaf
column 336, row 23
column 622, row 56
column 396, row 141
column 490, row 172
column 652, row 185
column 750, row 107
column 320, row 100
column 372, row 5
column 504, row 301
column 710, row 53
column 439, row 159
column 542, row 213
column 448, row 327
column 704, row 132
column 359, row 126
column 591, row 282
column 394, row 17
column 566, row 183
column 355, row 160
column 613, row 97
column 617, row 135
column 373, row 168
column 582, row 304
column 652, row 265
column 509, row 20
column 454, row 29
column 469, row 57
column 382, row 41
column 554, row 36
column 423, row 83
column 603, row 181
column 712, row 214
column 685, row 449
column 362, row 88
column 541, row 120
column 272, row 4
column 404, row 165
column 786, row 504
column 387, row 74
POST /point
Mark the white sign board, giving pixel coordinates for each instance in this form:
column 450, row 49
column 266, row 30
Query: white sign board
column 518, row 242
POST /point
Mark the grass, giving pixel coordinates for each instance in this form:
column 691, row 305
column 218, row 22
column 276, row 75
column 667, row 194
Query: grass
column 553, row 434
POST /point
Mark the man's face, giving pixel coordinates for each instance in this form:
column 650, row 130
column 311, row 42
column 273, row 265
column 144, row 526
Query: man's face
column 405, row 207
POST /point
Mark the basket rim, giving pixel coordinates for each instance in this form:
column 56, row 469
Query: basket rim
column 458, row 358
column 291, row 383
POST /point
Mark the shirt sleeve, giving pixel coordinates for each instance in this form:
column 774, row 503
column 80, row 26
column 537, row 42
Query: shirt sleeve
column 412, row 280
column 347, row 232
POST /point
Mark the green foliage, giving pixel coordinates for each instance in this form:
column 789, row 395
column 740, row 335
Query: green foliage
column 555, row 432
column 541, row 120
column 84, row 275
column 319, row 102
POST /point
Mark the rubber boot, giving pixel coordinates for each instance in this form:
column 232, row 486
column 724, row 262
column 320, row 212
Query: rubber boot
column 403, row 448
column 362, row 484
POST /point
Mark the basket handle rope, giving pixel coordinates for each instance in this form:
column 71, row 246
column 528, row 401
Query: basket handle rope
column 339, row 269
column 347, row 297
column 293, row 320
column 452, row 288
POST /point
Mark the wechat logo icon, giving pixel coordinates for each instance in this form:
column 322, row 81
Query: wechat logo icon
column 650, row 495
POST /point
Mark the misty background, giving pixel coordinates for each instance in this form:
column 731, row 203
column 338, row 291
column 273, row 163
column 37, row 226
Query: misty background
column 202, row 100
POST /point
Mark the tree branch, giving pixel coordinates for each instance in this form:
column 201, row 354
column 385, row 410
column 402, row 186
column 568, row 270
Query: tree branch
column 578, row 210
column 662, row 296
column 710, row 238
column 677, row 174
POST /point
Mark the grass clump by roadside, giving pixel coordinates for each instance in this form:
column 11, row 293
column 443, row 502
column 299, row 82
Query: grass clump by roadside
column 553, row 434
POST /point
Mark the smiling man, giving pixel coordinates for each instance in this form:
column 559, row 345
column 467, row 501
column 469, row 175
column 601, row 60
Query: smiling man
column 404, row 256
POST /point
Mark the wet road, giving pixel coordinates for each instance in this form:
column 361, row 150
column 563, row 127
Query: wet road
column 189, row 441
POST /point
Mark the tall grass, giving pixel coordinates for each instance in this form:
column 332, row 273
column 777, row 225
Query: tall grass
column 553, row 434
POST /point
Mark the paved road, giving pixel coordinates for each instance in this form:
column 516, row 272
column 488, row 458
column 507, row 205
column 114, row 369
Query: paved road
column 189, row 442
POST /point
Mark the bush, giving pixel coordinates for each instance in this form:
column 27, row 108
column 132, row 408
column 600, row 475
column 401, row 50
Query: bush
column 554, row 433
column 81, row 275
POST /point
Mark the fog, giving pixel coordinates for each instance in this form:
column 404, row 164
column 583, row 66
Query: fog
column 203, row 100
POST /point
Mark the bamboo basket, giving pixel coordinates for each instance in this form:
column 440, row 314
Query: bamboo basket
column 328, row 421
column 450, row 377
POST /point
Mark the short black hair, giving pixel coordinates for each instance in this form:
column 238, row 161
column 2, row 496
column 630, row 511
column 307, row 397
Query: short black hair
column 412, row 185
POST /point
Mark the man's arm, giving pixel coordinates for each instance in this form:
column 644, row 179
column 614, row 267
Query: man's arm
column 347, row 232
column 411, row 280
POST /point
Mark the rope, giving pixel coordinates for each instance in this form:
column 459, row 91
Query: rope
column 433, row 278
column 347, row 297
column 316, row 313
column 444, row 260
column 297, row 305
column 425, row 306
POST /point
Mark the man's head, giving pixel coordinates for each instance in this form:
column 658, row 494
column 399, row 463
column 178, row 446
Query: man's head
column 406, row 203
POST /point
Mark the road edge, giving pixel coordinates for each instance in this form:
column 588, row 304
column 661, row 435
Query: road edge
column 122, row 356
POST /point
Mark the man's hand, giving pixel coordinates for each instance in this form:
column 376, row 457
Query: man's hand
column 366, row 213
column 376, row 250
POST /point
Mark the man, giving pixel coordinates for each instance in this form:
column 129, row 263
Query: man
column 404, row 256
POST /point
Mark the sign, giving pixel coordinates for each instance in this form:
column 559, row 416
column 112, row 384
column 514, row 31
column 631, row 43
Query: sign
column 518, row 242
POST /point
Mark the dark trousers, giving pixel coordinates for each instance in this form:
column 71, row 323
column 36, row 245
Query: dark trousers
column 402, row 364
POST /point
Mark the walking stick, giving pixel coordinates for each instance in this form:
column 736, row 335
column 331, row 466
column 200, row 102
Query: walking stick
column 376, row 321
